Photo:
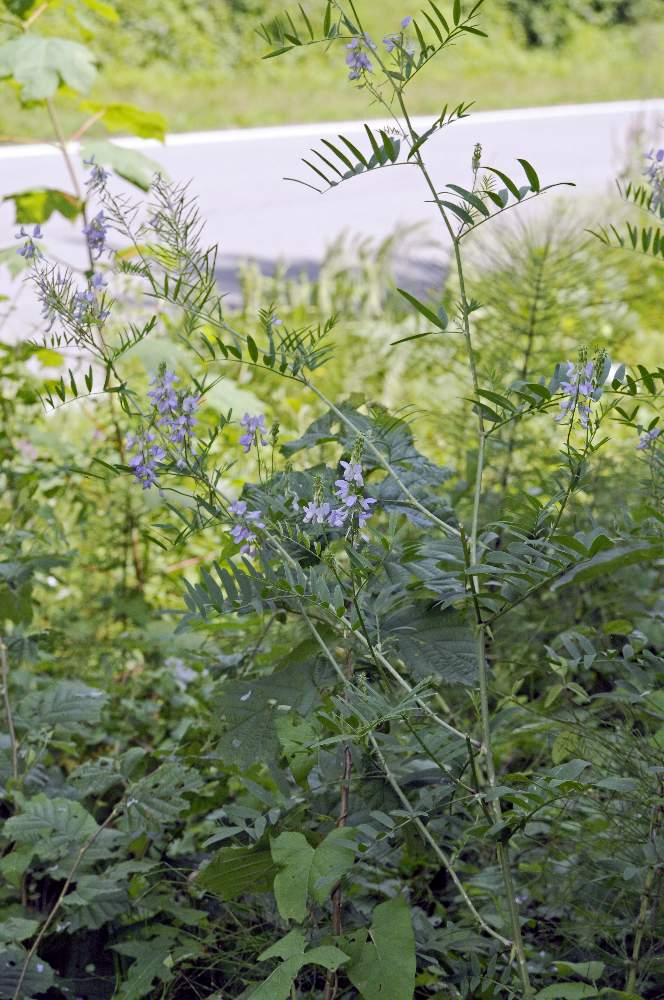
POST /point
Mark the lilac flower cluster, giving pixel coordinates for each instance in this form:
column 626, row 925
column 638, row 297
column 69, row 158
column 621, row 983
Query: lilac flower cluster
column 395, row 40
column 29, row 250
column 655, row 174
column 244, row 530
column 148, row 455
column 87, row 308
column 254, row 430
column 579, row 389
column 95, row 233
column 353, row 501
column 173, row 416
column 357, row 58
column 175, row 412
column 648, row 439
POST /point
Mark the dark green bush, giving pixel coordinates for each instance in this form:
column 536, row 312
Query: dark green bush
column 550, row 22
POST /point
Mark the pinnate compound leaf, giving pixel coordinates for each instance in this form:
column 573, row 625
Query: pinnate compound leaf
column 609, row 561
column 234, row 871
column 133, row 166
column 383, row 964
column 436, row 642
column 40, row 65
column 38, row 205
column 65, row 703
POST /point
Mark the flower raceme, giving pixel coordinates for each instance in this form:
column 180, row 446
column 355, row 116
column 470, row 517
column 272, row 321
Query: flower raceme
column 243, row 531
column 648, row 438
column 357, row 58
column 173, row 416
column 353, row 501
column 579, row 391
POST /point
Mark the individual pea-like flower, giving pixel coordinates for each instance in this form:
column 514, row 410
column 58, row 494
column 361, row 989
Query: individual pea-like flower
column 648, row 438
column 254, row 430
column 95, row 233
column 579, row 389
column 396, row 40
column 352, row 472
column 148, row 455
column 243, row 531
column 86, row 307
column 29, row 250
column 357, row 58
column 366, row 503
column 316, row 513
column 98, row 176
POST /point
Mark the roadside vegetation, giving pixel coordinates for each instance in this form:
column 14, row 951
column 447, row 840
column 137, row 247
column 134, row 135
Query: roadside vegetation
column 331, row 624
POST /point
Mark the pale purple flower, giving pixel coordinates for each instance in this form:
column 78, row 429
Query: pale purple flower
column 337, row 518
column 163, row 397
column 357, row 59
column 29, row 250
column 98, row 176
column 95, row 233
column 243, row 532
column 648, row 438
column 406, row 21
column 254, row 430
column 366, row 503
column 144, row 462
column 352, row 472
column 578, row 389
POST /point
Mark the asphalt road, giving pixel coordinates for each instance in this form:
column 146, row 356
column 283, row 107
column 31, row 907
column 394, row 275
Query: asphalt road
column 252, row 212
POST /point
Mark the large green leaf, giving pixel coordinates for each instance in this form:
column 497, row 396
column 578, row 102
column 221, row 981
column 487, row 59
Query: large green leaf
column 234, row 871
column 382, row 965
column 291, row 949
column 135, row 167
column 53, row 825
column 308, row 872
column 609, row 561
column 38, row 978
column 39, row 205
column 20, row 8
column 293, row 853
column 40, row 65
column 252, row 708
column 127, row 118
column 432, row 642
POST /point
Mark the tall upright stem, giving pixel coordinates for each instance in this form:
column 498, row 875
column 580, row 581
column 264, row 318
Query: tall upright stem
column 4, row 678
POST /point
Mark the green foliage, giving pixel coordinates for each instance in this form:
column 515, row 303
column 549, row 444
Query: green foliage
column 432, row 742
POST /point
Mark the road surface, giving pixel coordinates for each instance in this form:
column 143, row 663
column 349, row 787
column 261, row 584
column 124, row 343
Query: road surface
column 253, row 213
